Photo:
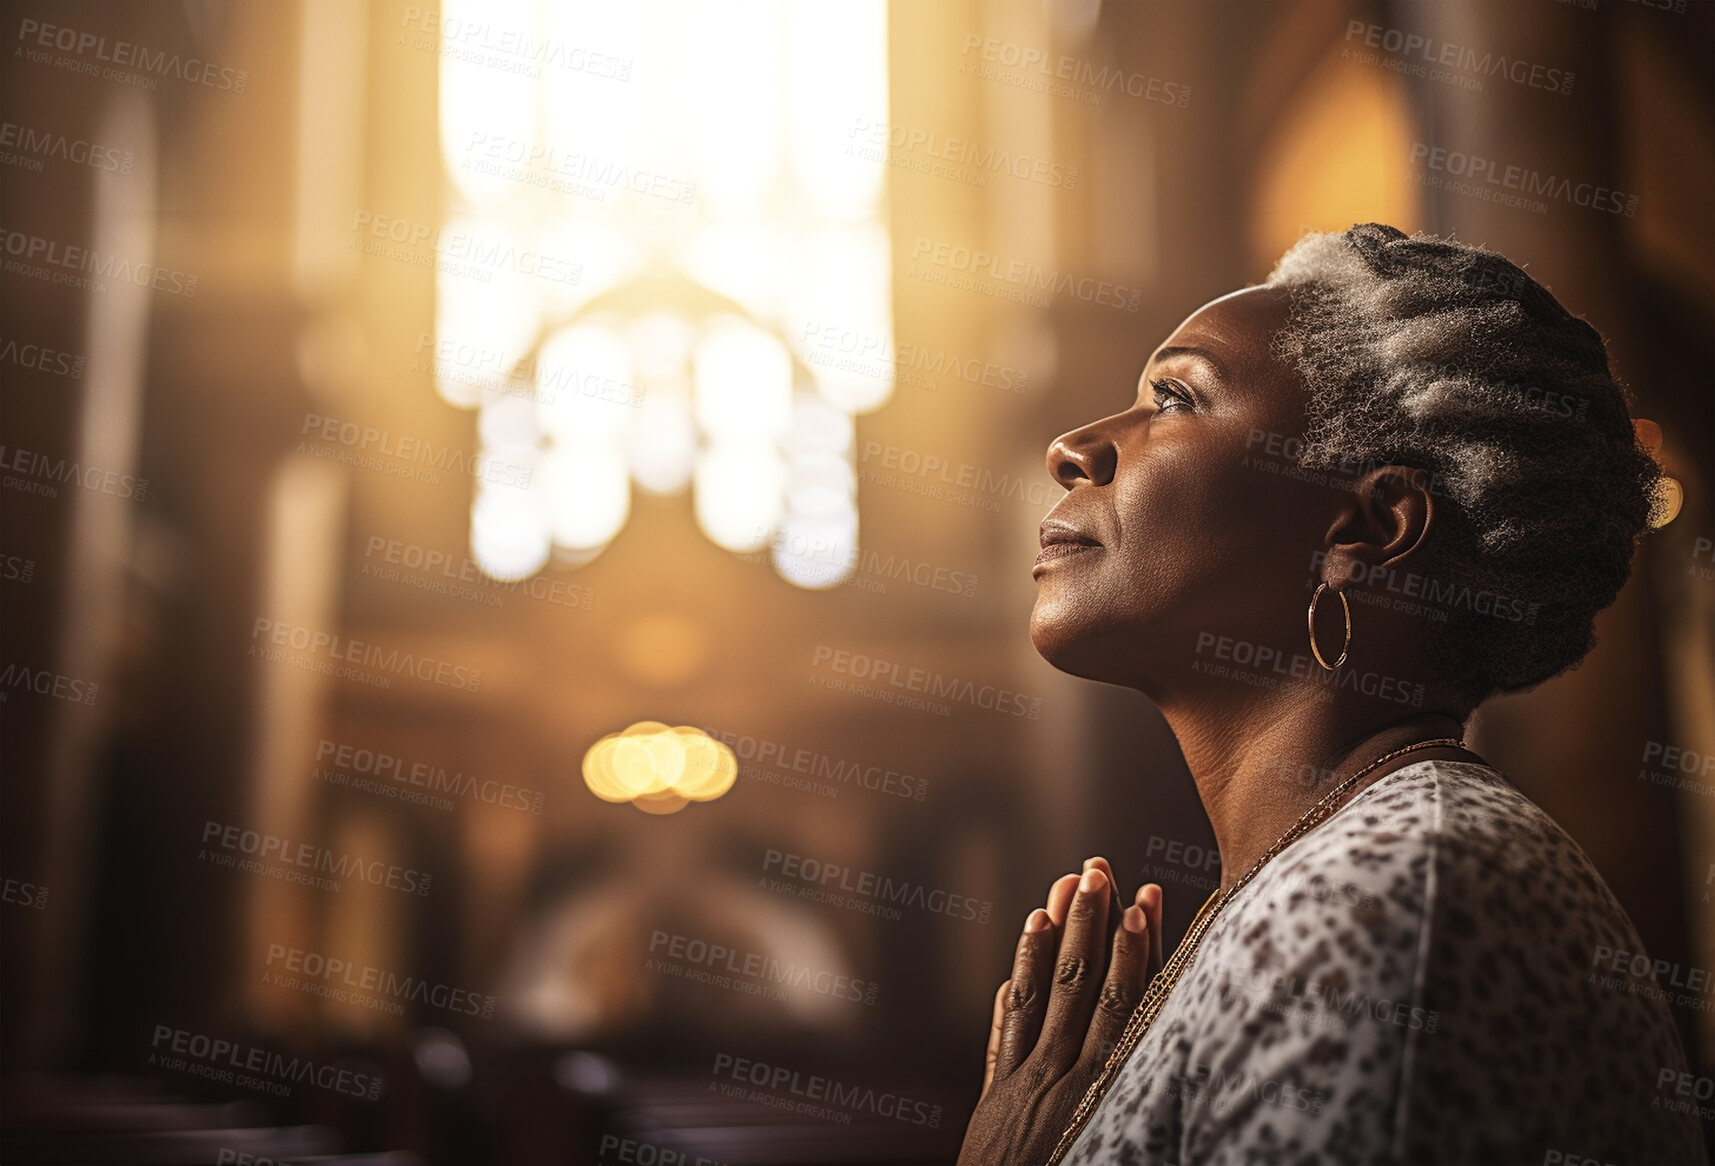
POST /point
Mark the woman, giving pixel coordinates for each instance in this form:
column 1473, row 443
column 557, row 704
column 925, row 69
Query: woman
column 1406, row 960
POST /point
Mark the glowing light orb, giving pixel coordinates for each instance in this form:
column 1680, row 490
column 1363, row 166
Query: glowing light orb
column 658, row 768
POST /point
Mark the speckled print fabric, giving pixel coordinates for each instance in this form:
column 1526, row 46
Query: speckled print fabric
column 1416, row 980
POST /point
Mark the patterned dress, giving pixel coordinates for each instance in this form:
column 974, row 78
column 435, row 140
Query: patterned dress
column 1435, row 974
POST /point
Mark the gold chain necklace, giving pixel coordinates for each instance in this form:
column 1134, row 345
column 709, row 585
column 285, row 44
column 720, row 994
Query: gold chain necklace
column 1143, row 1016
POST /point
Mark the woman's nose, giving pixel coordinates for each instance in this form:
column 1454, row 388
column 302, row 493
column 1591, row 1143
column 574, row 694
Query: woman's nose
column 1086, row 454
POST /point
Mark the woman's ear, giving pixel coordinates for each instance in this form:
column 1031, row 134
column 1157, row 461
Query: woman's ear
column 1385, row 521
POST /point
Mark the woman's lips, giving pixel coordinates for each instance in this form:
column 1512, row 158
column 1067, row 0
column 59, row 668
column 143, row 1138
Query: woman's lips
column 1062, row 550
column 1061, row 540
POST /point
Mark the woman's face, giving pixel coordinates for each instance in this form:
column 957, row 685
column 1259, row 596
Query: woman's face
column 1177, row 524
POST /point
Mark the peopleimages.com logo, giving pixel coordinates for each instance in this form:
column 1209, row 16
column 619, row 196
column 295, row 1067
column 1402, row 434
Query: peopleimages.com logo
column 299, row 861
column 234, row 1062
column 888, row 674
column 815, row 1095
column 118, row 60
column 1413, row 47
column 1035, row 283
column 837, row 883
column 40, row 257
column 1488, row 174
column 348, row 981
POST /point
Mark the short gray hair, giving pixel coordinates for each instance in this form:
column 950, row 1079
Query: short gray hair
column 1424, row 352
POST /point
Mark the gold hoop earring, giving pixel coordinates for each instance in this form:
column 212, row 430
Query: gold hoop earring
column 1311, row 620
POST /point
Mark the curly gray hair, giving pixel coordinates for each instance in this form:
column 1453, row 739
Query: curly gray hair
column 1424, row 352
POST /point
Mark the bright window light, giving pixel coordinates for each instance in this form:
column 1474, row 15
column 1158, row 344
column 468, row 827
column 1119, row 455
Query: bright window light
column 651, row 205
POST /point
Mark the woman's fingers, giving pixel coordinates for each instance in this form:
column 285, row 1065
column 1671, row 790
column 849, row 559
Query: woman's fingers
column 1077, row 971
column 1060, row 896
column 1059, row 1001
column 1122, row 988
column 1066, row 886
column 994, row 1038
column 1025, row 1000
column 1149, row 898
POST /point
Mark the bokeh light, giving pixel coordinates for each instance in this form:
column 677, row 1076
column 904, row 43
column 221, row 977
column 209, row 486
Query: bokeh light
column 658, row 768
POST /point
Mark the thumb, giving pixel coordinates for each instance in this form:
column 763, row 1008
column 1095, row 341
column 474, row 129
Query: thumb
column 994, row 1038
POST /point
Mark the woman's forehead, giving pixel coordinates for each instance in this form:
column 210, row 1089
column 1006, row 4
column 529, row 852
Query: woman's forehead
column 1236, row 335
column 1242, row 323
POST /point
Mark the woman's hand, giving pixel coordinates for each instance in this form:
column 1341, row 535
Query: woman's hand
column 1059, row 1016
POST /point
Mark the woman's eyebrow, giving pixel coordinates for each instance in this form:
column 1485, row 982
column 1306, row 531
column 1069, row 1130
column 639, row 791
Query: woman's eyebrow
column 1201, row 354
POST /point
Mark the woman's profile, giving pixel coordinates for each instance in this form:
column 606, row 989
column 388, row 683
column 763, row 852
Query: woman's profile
column 1346, row 507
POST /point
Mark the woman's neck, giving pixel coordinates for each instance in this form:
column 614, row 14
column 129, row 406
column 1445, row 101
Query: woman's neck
column 1260, row 769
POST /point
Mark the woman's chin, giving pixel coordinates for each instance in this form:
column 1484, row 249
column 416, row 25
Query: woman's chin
column 1071, row 648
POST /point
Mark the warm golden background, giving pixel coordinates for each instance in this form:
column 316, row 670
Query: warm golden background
column 1245, row 124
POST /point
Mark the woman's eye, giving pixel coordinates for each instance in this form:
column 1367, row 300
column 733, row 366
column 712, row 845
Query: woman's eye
column 1169, row 397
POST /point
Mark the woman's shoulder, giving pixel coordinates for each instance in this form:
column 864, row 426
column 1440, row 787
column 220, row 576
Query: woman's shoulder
column 1444, row 868
column 1438, row 820
column 1444, row 907
column 1444, row 862
column 1423, row 976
